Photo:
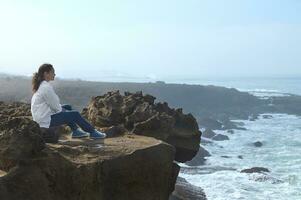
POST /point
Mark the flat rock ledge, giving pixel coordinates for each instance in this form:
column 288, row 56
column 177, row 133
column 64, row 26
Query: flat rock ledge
column 128, row 167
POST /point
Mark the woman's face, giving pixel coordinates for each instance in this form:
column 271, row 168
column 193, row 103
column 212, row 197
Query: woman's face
column 49, row 76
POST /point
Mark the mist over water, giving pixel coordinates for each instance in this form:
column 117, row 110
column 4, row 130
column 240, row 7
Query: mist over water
column 286, row 84
column 270, row 84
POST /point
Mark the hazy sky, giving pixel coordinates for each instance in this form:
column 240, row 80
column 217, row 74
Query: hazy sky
column 158, row 39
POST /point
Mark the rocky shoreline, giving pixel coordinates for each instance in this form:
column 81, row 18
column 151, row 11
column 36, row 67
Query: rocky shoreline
column 213, row 108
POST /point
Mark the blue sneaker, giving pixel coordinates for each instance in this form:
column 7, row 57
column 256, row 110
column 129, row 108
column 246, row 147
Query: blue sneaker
column 97, row 135
column 79, row 134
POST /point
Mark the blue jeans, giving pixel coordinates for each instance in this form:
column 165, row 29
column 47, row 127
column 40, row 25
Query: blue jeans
column 72, row 118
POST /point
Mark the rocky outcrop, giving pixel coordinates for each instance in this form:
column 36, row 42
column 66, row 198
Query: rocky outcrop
column 128, row 167
column 14, row 109
column 255, row 170
column 187, row 191
column 258, row 144
column 220, row 137
column 267, row 116
column 200, row 157
column 19, row 141
column 208, row 133
column 11, row 110
column 140, row 115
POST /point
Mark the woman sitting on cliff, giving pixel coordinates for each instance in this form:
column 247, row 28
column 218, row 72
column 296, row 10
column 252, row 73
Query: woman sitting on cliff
column 47, row 111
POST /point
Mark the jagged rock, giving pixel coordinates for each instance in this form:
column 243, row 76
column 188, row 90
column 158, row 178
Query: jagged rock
column 267, row 116
column 130, row 167
column 208, row 133
column 140, row 115
column 230, row 131
column 199, row 159
column 257, row 144
column 187, row 191
column 20, row 139
column 14, row 109
column 220, row 137
column 255, row 170
column 22, row 110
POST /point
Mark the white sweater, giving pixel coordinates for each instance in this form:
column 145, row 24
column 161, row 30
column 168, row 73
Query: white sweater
column 44, row 103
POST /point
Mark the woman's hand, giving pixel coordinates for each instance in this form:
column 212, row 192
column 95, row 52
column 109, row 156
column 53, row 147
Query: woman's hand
column 66, row 107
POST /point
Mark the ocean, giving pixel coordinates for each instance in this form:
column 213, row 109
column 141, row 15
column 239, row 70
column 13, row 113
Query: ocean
column 280, row 135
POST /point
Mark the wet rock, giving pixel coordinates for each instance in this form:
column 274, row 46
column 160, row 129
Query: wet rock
column 138, row 114
column 267, row 116
column 220, row 137
column 230, row 131
column 255, row 170
column 200, row 158
column 257, row 144
column 240, row 157
column 208, row 133
column 187, row 191
column 226, row 156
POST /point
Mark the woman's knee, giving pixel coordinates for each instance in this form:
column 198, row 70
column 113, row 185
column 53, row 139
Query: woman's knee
column 75, row 114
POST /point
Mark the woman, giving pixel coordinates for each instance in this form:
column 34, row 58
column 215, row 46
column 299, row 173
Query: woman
column 48, row 112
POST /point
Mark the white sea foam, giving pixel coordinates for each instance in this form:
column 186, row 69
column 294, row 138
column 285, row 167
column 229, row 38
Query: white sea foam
column 265, row 93
column 280, row 153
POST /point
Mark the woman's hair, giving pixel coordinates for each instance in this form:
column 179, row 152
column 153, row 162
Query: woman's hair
column 38, row 77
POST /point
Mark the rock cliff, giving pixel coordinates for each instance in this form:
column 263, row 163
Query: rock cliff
column 129, row 166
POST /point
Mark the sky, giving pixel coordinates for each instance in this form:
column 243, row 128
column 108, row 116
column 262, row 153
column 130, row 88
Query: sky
column 151, row 40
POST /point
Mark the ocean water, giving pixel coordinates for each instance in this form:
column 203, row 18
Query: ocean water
column 280, row 85
column 281, row 152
